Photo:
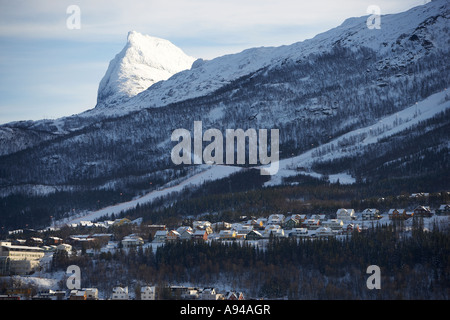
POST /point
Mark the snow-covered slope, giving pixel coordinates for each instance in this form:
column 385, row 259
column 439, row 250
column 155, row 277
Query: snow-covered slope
column 351, row 143
column 398, row 32
column 129, row 83
column 143, row 61
column 354, row 142
column 207, row 173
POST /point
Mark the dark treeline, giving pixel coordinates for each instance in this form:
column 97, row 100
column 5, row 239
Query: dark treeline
column 412, row 267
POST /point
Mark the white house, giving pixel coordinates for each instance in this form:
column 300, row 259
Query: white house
column 86, row 224
column 370, row 214
column 64, row 247
column 132, row 241
column 186, row 233
column 148, row 293
column 160, row 236
column 91, row 293
column 324, row 232
column 444, row 209
column 312, row 224
column 300, row 217
column 120, row 293
column 299, row 232
column 320, row 217
column 201, row 224
column 210, row 294
column 345, row 214
column 275, row 219
column 227, row 234
column 242, row 228
column 333, row 224
column 273, row 229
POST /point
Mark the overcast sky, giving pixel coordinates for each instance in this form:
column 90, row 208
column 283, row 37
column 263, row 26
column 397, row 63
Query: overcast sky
column 48, row 70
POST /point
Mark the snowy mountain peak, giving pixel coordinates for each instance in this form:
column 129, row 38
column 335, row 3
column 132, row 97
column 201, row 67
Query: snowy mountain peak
column 143, row 61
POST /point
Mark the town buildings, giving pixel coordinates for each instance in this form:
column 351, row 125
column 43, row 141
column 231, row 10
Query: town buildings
column 148, row 293
column 18, row 259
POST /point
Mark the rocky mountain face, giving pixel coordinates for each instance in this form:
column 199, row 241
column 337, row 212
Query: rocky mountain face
column 143, row 61
column 314, row 92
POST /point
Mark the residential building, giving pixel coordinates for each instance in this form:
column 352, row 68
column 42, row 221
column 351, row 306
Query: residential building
column 273, row 229
column 261, row 222
column 64, row 247
column 319, row 217
column 291, row 222
column 443, row 209
column 203, row 225
column 231, row 295
column 333, row 224
column 132, row 241
column 312, row 224
column 277, row 219
column 345, row 214
column 77, row 295
column 148, row 293
column 299, row 217
column 34, row 242
column 200, row 235
column 172, row 235
column 350, row 227
column 254, row 235
column 122, row 221
column 160, row 236
column 83, row 240
column 370, row 214
column 49, row 295
column 396, row 214
column 185, row 232
column 91, row 293
column 153, row 228
column 217, row 226
column 120, row 293
column 20, row 260
column 299, row 232
column 422, row 211
column 210, row 294
column 242, row 228
column 84, row 294
column 185, row 293
column 227, row 234
column 54, row 241
column 324, row 232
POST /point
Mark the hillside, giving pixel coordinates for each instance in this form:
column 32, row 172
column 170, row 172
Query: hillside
column 362, row 104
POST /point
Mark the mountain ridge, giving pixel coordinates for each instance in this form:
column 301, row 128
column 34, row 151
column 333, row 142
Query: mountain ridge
column 170, row 91
column 143, row 61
